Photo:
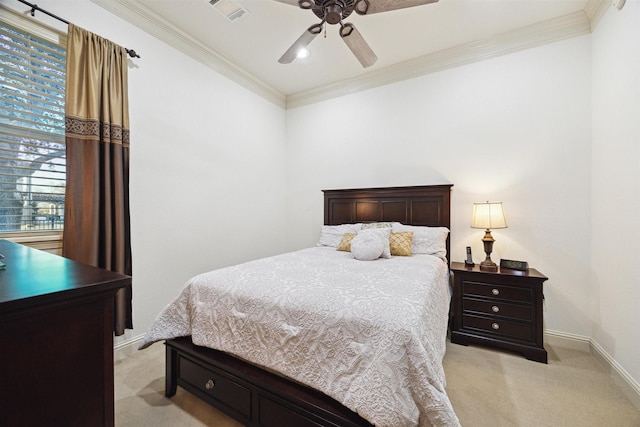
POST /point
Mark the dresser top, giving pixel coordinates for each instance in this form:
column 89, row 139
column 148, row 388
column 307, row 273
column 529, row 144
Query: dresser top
column 33, row 276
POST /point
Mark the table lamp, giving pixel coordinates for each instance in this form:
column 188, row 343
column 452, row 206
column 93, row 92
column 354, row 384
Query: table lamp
column 488, row 215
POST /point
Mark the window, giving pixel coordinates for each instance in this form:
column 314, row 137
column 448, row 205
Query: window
column 32, row 144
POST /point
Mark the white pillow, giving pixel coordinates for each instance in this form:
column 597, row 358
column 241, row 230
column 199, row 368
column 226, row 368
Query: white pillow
column 367, row 246
column 384, row 234
column 426, row 240
column 331, row 235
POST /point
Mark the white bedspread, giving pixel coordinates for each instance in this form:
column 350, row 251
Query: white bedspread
column 369, row 334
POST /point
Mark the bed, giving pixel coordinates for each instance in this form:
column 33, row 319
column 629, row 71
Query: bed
column 262, row 356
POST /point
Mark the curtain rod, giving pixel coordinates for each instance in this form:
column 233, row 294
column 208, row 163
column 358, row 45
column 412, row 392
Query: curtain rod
column 132, row 53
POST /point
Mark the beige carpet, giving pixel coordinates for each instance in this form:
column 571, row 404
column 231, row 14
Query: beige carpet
column 487, row 388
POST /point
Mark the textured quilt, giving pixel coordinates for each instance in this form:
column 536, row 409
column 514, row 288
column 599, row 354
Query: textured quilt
column 370, row 334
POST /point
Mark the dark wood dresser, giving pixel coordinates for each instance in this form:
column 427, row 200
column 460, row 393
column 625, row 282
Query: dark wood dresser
column 56, row 322
column 501, row 309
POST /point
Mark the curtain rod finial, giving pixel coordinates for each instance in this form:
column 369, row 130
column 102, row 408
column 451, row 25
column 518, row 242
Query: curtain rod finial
column 132, row 53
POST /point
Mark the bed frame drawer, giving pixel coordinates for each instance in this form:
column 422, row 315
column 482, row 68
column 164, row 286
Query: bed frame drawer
column 285, row 403
column 214, row 385
column 273, row 414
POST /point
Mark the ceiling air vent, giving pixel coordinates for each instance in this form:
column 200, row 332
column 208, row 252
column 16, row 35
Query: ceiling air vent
column 231, row 9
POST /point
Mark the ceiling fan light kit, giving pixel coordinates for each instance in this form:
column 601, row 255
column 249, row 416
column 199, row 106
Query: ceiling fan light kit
column 333, row 12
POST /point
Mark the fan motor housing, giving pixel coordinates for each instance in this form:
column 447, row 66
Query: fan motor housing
column 333, row 11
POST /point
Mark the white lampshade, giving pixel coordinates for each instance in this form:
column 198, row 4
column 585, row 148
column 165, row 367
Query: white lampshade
column 488, row 215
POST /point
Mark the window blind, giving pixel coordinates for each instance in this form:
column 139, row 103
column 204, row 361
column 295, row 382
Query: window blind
column 32, row 142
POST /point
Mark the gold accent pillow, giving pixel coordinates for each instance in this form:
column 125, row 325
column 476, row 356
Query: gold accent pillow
column 400, row 243
column 345, row 243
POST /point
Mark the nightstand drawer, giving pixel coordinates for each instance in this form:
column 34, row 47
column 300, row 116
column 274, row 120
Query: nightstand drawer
column 498, row 308
column 216, row 386
column 504, row 328
column 496, row 291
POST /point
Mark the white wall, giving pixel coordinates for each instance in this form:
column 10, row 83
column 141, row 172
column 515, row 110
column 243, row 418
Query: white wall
column 615, row 184
column 514, row 129
column 207, row 164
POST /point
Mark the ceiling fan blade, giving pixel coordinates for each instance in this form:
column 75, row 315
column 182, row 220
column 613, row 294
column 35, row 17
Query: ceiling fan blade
column 302, row 42
column 367, row 7
column 358, row 45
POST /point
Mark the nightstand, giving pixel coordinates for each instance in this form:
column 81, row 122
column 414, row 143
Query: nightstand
column 501, row 309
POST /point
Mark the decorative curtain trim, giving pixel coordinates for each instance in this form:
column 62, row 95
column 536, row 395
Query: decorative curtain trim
column 95, row 131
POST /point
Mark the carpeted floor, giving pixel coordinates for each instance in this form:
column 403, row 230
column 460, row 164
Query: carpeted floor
column 486, row 387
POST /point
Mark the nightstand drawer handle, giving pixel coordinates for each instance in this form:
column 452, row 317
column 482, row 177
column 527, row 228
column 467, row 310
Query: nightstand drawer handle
column 209, row 385
column 495, row 326
column 495, row 309
column 495, row 291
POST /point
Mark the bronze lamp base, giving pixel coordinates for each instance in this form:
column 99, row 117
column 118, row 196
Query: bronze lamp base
column 487, row 264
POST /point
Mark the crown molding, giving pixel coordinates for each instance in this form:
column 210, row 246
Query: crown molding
column 147, row 20
column 549, row 31
column 572, row 25
column 595, row 10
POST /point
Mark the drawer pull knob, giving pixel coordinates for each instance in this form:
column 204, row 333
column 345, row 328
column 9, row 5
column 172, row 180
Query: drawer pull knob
column 209, row 385
column 495, row 291
column 495, row 326
column 495, row 309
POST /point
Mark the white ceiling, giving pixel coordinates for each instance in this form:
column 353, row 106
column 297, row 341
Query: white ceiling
column 406, row 41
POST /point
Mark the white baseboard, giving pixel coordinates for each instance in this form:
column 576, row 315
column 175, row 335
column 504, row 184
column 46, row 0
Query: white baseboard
column 563, row 339
column 629, row 386
column 621, row 377
column 127, row 348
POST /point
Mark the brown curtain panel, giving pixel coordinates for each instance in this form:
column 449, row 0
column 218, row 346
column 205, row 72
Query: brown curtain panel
column 96, row 220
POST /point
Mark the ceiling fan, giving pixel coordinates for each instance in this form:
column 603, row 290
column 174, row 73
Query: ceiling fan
column 333, row 12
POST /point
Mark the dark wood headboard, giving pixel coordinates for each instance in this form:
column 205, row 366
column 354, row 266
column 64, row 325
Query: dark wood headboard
column 428, row 205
